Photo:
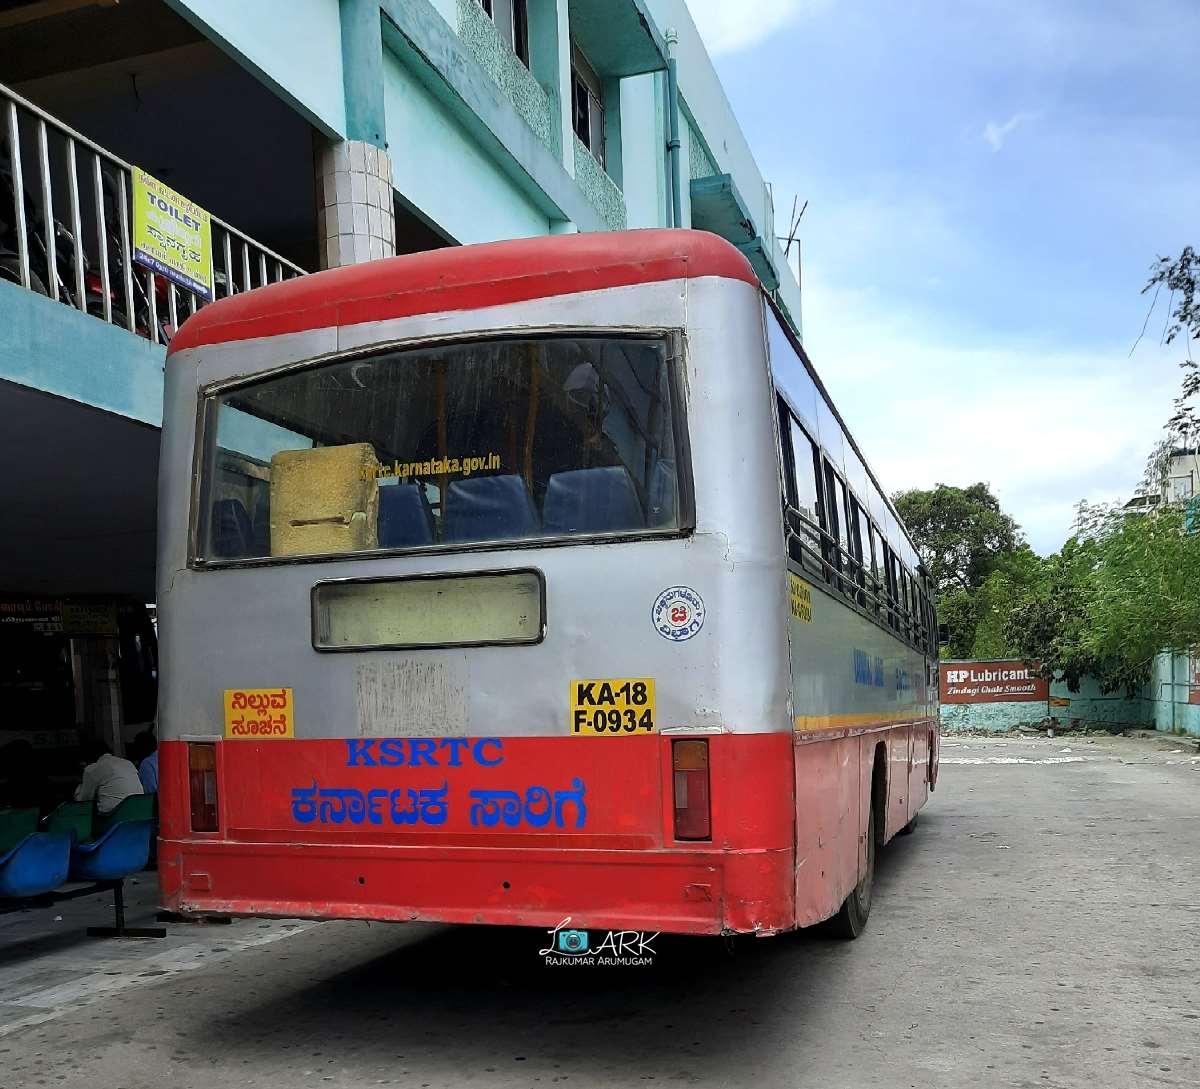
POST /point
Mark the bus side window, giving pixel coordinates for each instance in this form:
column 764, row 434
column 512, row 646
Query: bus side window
column 892, row 592
column 854, row 532
column 786, row 465
column 805, row 493
column 832, row 524
column 872, row 562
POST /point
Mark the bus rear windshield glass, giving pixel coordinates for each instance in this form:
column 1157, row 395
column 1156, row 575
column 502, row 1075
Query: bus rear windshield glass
column 454, row 444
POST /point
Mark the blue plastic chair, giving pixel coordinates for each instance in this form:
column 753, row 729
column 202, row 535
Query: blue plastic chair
column 36, row 865
column 489, row 508
column 122, row 850
column 405, row 520
column 601, row 500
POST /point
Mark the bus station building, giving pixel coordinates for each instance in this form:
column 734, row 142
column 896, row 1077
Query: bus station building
column 313, row 134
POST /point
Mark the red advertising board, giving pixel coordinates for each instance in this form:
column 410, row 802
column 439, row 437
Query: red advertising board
column 1006, row 681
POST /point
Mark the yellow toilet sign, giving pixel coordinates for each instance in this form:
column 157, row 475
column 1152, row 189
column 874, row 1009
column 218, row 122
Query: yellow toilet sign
column 172, row 236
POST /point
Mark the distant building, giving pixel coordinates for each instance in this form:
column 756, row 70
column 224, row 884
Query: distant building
column 1180, row 482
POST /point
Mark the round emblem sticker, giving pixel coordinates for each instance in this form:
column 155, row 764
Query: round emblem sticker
column 678, row 613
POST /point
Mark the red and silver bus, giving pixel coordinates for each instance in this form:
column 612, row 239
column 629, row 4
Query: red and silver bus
column 525, row 581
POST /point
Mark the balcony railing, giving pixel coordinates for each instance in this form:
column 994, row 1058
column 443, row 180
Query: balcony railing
column 65, row 230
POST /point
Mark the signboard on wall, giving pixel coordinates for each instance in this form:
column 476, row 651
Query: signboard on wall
column 56, row 616
column 171, row 235
column 1194, row 686
column 1006, row 681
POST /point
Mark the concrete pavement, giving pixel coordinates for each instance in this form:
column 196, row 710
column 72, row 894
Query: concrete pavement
column 1039, row 929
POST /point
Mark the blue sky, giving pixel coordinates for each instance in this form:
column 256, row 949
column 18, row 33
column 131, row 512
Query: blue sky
column 988, row 182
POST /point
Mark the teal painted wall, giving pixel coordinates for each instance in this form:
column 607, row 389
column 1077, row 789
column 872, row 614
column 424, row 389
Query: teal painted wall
column 53, row 348
column 1163, row 705
column 294, row 46
column 531, row 100
column 705, row 99
column 993, row 717
column 601, row 191
column 1168, row 694
column 442, row 170
column 1088, row 708
column 643, row 151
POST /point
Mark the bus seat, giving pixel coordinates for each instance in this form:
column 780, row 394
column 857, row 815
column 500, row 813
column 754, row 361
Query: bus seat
column 405, row 520
column 600, row 500
column 122, row 850
column 36, row 865
column 261, row 525
column 232, row 535
column 662, row 493
column 489, row 508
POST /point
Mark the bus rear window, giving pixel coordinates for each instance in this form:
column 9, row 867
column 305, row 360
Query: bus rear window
column 453, row 444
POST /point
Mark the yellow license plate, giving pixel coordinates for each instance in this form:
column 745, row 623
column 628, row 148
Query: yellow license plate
column 621, row 705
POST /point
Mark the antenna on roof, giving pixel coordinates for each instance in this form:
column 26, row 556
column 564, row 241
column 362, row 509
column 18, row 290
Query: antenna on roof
column 794, row 220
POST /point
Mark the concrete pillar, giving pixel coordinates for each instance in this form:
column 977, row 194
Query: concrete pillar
column 356, row 219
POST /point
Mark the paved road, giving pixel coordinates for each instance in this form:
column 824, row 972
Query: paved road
column 1041, row 928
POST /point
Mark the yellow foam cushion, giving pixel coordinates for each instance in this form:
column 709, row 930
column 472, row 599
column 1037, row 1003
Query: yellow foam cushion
column 324, row 500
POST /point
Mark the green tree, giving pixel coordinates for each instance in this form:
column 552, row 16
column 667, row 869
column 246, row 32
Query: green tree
column 1181, row 277
column 960, row 533
column 966, row 541
column 1014, row 578
column 1118, row 593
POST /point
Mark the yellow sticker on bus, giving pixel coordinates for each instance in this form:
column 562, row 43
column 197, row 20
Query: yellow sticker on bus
column 620, row 705
column 800, row 598
column 259, row 714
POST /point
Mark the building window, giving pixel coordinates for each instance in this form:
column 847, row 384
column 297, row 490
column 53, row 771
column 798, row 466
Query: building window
column 587, row 104
column 512, row 20
column 1181, row 488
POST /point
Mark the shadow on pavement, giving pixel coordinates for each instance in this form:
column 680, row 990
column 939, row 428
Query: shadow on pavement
column 460, row 1001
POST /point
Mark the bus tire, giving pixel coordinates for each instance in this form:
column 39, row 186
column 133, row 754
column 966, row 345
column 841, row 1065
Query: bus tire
column 911, row 827
column 851, row 919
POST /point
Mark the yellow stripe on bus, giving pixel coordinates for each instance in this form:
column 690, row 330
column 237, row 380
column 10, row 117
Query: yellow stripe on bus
column 813, row 723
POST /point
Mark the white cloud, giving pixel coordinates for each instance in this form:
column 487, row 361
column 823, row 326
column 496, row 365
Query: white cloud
column 1045, row 426
column 727, row 26
column 995, row 134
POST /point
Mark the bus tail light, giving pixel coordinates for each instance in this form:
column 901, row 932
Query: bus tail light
column 689, row 764
column 202, row 784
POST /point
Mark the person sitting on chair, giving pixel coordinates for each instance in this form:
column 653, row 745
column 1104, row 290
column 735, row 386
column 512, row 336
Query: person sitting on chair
column 107, row 780
column 145, row 756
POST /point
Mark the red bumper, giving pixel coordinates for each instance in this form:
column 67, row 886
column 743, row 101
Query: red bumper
column 682, row 893
column 610, row 863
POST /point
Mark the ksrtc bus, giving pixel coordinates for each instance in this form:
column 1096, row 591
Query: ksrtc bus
column 525, row 581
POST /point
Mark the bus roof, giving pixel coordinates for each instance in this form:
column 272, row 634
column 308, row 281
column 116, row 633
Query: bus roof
column 464, row 278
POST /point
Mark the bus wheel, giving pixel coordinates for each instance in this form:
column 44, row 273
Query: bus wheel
column 911, row 827
column 851, row 919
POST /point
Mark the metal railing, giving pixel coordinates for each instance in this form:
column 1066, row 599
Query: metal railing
column 47, row 169
column 859, row 580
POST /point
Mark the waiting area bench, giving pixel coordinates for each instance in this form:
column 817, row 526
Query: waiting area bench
column 75, row 852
